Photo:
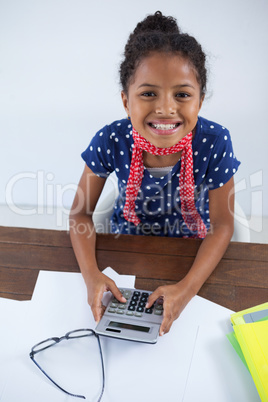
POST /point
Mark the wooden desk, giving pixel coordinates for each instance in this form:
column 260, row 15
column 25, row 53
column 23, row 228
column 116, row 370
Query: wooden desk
column 239, row 281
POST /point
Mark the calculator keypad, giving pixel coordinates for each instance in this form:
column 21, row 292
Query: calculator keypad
column 135, row 304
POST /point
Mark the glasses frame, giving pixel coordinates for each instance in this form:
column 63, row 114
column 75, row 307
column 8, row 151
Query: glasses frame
column 88, row 332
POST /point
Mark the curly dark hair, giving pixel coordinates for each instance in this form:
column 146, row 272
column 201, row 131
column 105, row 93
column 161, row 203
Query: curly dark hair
column 162, row 34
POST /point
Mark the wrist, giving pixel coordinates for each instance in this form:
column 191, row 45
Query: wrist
column 191, row 285
column 90, row 272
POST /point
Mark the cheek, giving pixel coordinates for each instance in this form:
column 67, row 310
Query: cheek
column 194, row 109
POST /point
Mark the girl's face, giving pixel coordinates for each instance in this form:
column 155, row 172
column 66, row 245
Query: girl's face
column 163, row 99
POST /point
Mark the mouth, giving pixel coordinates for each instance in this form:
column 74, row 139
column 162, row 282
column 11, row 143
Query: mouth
column 164, row 127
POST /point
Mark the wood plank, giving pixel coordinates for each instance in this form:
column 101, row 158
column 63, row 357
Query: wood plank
column 249, row 297
column 142, row 265
column 173, row 268
column 18, row 281
column 176, row 246
column 239, row 281
column 38, row 257
column 15, row 296
column 145, row 244
column 34, row 236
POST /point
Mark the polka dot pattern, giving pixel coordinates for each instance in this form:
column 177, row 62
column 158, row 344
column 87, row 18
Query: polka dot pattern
column 158, row 202
column 188, row 209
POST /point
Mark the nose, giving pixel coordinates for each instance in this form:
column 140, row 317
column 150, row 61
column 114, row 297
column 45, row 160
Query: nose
column 166, row 105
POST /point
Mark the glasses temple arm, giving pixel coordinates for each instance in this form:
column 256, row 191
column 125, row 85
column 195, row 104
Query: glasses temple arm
column 62, row 389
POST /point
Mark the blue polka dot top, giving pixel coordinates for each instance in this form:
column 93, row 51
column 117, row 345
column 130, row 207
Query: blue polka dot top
column 158, row 201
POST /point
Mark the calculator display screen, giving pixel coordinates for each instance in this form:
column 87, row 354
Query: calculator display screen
column 124, row 325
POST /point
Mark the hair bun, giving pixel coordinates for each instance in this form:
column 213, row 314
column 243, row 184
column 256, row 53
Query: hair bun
column 157, row 22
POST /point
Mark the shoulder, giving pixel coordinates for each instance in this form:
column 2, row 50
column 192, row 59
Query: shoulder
column 116, row 127
column 210, row 128
column 110, row 135
column 110, row 146
column 210, row 135
column 214, row 158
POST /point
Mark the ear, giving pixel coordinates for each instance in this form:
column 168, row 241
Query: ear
column 201, row 101
column 125, row 102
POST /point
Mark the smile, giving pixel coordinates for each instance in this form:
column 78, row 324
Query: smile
column 164, row 126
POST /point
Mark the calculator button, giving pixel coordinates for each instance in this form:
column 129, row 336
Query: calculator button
column 127, row 294
column 158, row 312
column 129, row 313
column 111, row 310
column 136, row 293
column 135, row 298
column 114, row 300
column 119, row 311
column 122, row 306
column 138, row 314
column 141, row 304
column 159, row 306
column 114, row 304
column 145, row 294
column 131, row 308
column 133, row 303
column 140, row 309
column 148, row 310
column 144, row 299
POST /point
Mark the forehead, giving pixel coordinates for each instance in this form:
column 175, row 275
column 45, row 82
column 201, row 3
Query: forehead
column 163, row 68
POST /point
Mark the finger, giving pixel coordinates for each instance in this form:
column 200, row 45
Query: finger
column 97, row 313
column 167, row 320
column 97, row 307
column 153, row 297
column 116, row 292
column 165, row 327
column 103, row 308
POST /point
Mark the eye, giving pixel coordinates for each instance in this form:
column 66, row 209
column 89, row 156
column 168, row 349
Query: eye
column 148, row 94
column 182, row 95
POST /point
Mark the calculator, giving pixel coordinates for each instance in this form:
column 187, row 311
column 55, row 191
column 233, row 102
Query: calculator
column 132, row 320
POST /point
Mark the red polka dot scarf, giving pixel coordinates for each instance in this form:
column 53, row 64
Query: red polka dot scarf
column 186, row 180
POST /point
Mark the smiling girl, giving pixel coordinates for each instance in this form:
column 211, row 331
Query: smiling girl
column 175, row 169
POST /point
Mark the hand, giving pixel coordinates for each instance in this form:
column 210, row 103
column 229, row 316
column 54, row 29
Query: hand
column 96, row 286
column 175, row 298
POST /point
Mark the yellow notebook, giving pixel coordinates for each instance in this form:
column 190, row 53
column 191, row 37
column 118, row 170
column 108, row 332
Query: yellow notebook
column 253, row 340
column 238, row 318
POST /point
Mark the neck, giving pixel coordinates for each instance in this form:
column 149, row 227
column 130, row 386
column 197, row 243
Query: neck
column 150, row 160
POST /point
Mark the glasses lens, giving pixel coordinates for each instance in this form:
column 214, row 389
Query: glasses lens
column 79, row 333
column 44, row 345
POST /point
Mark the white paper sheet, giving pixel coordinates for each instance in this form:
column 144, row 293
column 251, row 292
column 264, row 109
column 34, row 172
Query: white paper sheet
column 134, row 371
column 12, row 316
column 216, row 372
column 59, row 305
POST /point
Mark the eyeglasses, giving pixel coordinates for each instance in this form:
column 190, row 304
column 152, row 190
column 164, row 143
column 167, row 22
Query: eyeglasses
column 78, row 333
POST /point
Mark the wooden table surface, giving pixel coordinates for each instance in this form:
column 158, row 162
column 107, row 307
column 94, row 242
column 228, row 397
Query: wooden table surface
column 239, row 281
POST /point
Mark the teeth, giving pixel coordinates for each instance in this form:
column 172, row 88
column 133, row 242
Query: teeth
column 164, row 126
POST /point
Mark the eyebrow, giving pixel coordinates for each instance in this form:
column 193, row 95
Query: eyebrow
column 157, row 86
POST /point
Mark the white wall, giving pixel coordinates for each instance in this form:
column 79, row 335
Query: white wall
column 59, row 85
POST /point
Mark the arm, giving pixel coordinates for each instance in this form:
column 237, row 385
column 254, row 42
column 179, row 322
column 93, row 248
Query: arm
column 83, row 238
column 175, row 297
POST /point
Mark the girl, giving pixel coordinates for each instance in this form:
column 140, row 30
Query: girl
column 175, row 169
